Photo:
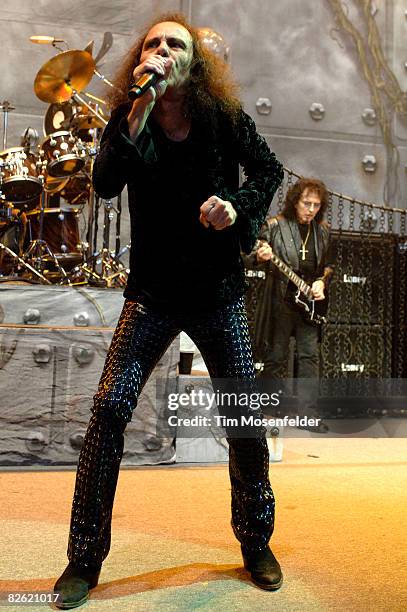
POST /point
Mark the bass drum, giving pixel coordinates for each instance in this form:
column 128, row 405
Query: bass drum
column 60, row 231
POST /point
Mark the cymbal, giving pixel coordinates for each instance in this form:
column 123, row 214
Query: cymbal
column 61, row 75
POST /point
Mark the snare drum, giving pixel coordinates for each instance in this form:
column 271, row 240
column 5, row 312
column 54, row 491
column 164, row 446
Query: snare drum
column 65, row 154
column 19, row 175
column 61, row 233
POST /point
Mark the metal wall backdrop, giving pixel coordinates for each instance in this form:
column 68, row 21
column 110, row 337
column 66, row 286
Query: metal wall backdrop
column 284, row 51
column 287, row 52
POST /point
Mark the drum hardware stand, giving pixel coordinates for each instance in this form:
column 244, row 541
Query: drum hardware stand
column 24, row 264
column 92, row 197
column 6, row 107
column 38, row 249
column 94, row 111
column 113, row 273
column 92, row 152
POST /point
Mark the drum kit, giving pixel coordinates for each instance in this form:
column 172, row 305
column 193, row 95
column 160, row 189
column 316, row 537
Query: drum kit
column 45, row 186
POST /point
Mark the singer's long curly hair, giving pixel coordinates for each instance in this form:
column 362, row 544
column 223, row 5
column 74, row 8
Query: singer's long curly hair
column 295, row 192
column 210, row 85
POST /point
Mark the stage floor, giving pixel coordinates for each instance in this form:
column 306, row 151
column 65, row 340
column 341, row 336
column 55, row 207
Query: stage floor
column 340, row 533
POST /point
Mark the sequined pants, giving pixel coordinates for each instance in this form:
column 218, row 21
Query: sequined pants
column 141, row 338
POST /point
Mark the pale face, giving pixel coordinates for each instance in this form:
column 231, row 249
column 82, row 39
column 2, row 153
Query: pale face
column 170, row 39
column 307, row 206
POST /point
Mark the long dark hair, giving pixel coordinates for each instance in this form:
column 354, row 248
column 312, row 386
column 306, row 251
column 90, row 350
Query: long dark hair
column 210, row 85
column 295, row 192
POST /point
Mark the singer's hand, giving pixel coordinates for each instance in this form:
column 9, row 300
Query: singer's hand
column 162, row 66
column 218, row 213
column 142, row 106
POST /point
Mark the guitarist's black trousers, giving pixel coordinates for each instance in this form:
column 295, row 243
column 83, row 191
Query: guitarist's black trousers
column 141, row 338
column 286, row 322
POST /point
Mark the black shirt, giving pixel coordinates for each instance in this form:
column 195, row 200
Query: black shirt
column 175, row 262
column 307, row 266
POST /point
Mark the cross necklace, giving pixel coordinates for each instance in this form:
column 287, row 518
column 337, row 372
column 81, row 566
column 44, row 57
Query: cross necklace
column 303, row 250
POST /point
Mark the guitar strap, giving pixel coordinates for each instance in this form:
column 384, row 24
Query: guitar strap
column 291, row 237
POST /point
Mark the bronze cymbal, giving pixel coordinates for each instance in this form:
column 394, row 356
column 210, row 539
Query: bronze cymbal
column 62, row 75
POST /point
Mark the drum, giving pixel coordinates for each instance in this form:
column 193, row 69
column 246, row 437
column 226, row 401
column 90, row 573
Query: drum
column 60, row 231
column 65, row 154
column 74, row 117
column 76, row 191
column 12, row 231
column 58, row 117
column 20, row 172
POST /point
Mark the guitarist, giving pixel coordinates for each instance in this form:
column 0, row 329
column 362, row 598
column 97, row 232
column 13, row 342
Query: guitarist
column 300, row 238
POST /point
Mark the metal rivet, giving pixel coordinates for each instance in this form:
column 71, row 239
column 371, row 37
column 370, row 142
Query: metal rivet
column 83, row 353
column 42, row 353
column 369, row 163
column 263, row 106
column 317, row 111
column 76, row 440
column 152, row 444
column 81, row 319
column 35, row 442
column 32, row 316
column 369, row 116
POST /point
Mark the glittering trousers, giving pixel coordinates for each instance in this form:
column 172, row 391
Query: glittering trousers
column 141, row 338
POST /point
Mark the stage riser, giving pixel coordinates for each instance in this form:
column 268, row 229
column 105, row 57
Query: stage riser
column 60, row 306
column 48, row 378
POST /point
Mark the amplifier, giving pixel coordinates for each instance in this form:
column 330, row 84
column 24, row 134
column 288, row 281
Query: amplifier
column 362, row 289
column 356, row 351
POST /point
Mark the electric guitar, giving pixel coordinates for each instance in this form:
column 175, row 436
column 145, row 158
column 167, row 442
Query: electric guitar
column 299, row 294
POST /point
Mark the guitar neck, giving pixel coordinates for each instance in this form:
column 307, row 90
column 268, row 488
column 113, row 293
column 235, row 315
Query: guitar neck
column 290, row 274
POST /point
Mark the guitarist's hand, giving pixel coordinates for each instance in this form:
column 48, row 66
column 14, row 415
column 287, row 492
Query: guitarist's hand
column 264, row 252
column 318, row 287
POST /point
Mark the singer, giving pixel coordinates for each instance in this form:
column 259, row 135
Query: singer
column 177, row 147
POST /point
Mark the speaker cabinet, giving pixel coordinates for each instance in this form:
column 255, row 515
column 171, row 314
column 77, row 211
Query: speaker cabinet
column 356, row 351
column 362, row 289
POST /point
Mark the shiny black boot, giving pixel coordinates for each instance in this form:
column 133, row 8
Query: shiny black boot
column 264, row 568
column 74, row 585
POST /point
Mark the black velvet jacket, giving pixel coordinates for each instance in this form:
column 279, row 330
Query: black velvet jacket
column 287, row 246
column 211, row 167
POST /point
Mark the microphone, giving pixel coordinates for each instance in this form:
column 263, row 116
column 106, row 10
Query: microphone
column 147, row 80
column 45, row 40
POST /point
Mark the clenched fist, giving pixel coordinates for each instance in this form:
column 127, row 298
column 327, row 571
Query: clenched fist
column 218, row 213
